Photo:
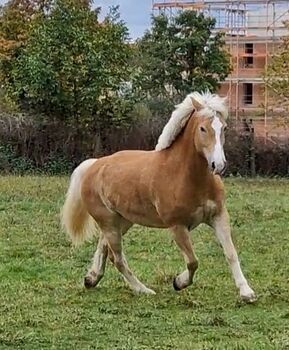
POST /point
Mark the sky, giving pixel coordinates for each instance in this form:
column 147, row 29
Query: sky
column 136, row 13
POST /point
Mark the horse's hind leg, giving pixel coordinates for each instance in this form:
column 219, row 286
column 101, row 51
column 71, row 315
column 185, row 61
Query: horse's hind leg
column 113, row 238
column 96, row 272
column 182, row 238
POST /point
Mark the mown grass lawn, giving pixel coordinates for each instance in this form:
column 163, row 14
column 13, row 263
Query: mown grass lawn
column 43, row 304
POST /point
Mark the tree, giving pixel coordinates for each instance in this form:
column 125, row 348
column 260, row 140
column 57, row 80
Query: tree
column 71, row 64
column 277, row 78
column 181, row 55
column 16, row 20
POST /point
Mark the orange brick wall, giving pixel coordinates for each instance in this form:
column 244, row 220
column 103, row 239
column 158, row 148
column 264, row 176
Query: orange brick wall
column 246, row 72
column 236, row 100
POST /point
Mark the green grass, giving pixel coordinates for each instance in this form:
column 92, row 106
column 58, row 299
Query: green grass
column 43, row 304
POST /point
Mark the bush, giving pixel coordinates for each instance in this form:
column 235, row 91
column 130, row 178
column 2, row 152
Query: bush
column 272, row 159
column 30, row 144
column 10, row 162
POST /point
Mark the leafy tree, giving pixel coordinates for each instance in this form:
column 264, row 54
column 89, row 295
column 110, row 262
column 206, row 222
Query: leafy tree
column 72, row 64
column 16, row 20
column 277, row 78
column 181, row 55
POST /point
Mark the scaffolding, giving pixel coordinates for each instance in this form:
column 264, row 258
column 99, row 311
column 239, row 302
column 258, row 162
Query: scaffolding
column 253, row 29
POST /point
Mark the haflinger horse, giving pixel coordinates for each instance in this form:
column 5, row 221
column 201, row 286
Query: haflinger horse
column 176, row 186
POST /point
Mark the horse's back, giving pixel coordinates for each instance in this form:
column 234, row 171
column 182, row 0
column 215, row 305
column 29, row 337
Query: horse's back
column 127, row 163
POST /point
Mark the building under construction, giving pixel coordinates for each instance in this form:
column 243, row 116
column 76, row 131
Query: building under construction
column 253, row 30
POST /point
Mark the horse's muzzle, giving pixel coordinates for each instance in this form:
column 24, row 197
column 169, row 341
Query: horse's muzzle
column 222, row 171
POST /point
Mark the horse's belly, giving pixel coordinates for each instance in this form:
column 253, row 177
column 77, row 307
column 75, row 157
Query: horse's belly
column 137, row 209
column 142, row 216
column 184, row 215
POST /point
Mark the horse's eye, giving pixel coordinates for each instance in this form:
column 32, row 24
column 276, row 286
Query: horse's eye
column 203, row 129
column 225, row 129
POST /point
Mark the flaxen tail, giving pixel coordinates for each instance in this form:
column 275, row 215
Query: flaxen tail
column 76, row 221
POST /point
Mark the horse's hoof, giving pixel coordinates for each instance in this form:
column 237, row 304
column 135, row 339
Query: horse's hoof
column 148, row 291
column 176, row 287
column 89, row 282
column 249, row 299
column 248, row 295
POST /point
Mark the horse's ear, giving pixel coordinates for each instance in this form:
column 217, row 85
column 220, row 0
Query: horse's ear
column 196, row 104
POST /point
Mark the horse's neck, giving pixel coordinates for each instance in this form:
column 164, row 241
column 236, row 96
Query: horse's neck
column 190, row 165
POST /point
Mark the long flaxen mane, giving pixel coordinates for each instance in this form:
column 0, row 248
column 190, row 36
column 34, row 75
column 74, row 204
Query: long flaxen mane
column 208, row 103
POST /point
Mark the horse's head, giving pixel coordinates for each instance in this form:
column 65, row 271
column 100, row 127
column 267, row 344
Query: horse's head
column 207, row 113
column 209, row 137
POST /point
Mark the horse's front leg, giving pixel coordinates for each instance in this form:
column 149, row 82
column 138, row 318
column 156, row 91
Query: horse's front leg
column 221, row 224
column 182, row 238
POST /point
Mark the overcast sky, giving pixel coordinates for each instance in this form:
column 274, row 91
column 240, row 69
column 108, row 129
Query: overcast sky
column 136, row 13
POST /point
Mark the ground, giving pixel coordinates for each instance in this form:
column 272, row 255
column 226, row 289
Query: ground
column 43, row 304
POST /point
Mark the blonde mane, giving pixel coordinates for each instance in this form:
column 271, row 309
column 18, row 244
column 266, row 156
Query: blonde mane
column 208, row 104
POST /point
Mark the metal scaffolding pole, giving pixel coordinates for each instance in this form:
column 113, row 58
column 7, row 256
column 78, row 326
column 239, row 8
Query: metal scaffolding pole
column 242, row 25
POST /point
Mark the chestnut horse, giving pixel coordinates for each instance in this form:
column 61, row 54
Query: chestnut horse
column 176, row 186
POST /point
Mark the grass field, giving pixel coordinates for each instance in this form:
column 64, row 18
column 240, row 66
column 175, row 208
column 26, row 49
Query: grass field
column 43, row 304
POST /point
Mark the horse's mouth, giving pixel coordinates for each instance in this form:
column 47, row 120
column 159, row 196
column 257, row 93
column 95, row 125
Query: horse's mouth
column 220, row 172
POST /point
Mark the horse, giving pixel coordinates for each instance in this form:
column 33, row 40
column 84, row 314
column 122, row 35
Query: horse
column 175, row 186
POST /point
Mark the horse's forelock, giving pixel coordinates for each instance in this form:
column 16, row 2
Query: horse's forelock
column 211, row 103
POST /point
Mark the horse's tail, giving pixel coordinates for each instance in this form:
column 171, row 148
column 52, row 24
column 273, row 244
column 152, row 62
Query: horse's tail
column 76, row 220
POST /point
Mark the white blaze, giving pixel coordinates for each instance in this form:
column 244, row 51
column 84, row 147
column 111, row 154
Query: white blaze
column 218, row 156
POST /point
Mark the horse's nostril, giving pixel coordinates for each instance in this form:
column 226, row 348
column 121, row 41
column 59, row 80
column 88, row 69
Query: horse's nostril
column 213, row 165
